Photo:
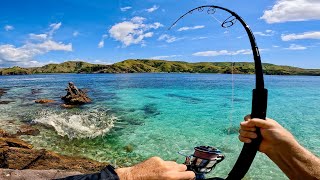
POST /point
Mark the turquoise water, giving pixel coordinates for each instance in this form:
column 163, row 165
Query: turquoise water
column 136, row 116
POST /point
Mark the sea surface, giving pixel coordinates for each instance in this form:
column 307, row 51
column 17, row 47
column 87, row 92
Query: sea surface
column 137, row 116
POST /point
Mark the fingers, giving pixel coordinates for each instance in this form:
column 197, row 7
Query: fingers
column 255, row 122
column 247, row 126
column 187, row 175
column 260, row 123
column 176, row 166
column 170, row 163
column 248, row 134
column 181, row 167
column 245, row 140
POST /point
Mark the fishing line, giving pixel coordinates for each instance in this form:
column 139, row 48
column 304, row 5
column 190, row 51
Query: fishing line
column 232, row 99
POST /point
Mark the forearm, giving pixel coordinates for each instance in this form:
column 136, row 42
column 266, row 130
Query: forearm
column 296, row 161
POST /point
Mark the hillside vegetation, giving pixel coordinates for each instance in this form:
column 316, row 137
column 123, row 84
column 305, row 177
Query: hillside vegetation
column 154, row 66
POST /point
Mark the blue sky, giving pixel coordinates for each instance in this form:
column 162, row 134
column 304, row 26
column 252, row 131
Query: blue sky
column 34, row 33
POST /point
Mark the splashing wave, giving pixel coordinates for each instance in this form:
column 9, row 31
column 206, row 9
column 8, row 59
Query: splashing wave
column 79, row 124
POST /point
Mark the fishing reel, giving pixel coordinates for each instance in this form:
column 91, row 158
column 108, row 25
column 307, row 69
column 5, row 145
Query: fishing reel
column 203, row 160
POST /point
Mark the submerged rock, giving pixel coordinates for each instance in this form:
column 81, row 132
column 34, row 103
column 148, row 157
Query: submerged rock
column 6, row 102
column 27, row 130
column 44, row 101
column 35, row 91
column 3, row 91
column 75, row 96
column 68, row 106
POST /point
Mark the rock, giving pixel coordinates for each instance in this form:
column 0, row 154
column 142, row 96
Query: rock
column 35, row 91
column 2, row 133
column 75, row 96
column 6, row 102
column 18, row 154
column 52, row 160
column 68, row 106
column 5, row 134
column 15, row 142
column 3, row 91
column 129, row 148
column 10, row 174
column 27, row 130
column 44, row 101
column 3, row 144
column 20, row 158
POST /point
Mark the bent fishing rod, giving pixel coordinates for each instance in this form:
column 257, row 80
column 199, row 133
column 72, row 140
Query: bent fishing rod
column 205, row 157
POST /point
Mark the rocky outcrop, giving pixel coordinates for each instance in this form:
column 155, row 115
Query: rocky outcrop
column 44, row 101
column 27, row 130
column 18, row 154
column 75, row 96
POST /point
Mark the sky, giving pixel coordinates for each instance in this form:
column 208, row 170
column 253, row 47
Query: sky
column 35, row 33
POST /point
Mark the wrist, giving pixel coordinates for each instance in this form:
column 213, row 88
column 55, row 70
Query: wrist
column 124, row 173
column 283, row 148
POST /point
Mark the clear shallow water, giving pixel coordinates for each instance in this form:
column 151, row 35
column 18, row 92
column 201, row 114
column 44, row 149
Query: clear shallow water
column 135, row 116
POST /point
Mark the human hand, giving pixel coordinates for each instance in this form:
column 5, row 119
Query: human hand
column 156, row 169
column 274, row 136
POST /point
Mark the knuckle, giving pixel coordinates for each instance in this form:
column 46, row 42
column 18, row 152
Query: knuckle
column 156, row 158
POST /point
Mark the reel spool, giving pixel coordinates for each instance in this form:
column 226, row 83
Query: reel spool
column 203, row 160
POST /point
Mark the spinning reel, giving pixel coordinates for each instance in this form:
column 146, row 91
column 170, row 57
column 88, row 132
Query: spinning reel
column 203, row 160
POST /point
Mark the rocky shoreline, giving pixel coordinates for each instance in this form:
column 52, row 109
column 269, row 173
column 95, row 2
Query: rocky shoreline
column 20, row 160
column 16, row 154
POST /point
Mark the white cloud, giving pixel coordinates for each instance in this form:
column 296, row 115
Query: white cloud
column 98, row 61
column 133, row 31
column 222, row 52
column 168, row 38
column 123, row 9
column 165, row 57
column 267, row 32
column 37, row 44
column 101, row 42
column 54, row 27
column 199, row 38
column 8, row 27
column 296, row 47
column 293, row 10
column 275, row 46
column 75, row 33
column 38, row 36
column 190, row 28
column 153, row 8
column 305, row 35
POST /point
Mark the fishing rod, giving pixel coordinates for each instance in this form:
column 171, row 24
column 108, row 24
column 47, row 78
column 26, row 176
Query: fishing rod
column 205, row 156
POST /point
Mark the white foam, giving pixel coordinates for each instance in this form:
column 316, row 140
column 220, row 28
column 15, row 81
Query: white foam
column 88, row 124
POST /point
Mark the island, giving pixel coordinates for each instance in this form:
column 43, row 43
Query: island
column 159, row 66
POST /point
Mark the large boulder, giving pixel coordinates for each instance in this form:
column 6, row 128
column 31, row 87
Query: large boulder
column 75, row 96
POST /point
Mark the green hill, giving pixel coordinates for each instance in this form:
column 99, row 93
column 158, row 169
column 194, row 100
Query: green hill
column 154, row 66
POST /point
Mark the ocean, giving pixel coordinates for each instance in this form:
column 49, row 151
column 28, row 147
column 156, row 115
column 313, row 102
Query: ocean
column 137, row 116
